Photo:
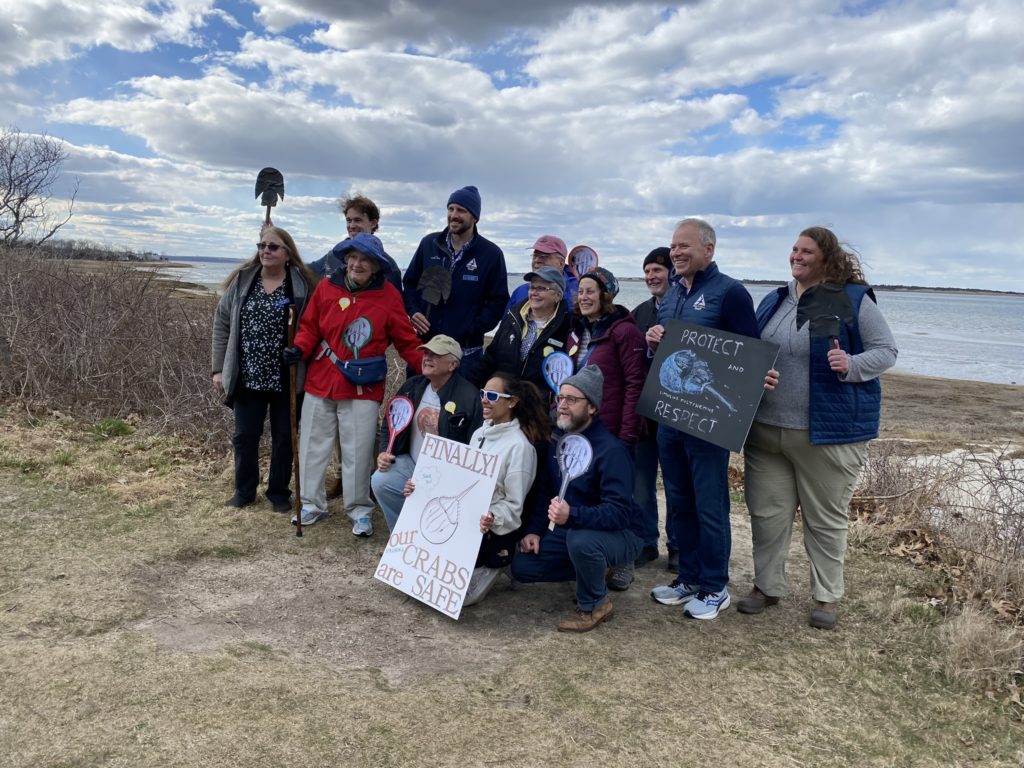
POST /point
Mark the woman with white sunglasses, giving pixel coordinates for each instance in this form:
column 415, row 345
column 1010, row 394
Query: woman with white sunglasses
column 515, row 421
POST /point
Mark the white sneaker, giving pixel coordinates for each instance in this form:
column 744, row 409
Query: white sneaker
column 362, row 527
column 310, row 516
column 707, row 605
column 676, row 593
column 480, row 584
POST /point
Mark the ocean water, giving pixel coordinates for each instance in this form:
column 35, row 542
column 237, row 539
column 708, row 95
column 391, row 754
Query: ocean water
column 954, row 336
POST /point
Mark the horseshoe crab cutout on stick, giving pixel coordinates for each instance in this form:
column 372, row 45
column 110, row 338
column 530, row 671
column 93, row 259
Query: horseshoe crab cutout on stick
column 400, row 411
column 557, row 367
column 356, row 336
column 574, row 454
column 440, row 516
column 582, row 259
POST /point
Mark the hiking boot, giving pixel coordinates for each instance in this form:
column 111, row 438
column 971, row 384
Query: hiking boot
column 281, row 505
column 584, row 621
column 480, row 584
column 707, row 605
column 238, row 502
column 310, row 516
column 362, row 527
column 647, row 555
column 621, row 577
column 755, row 602
column 676, row 593
column 673, row 561
column 824, row 615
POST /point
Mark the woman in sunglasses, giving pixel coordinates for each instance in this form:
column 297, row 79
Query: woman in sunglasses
column 250, row 331
column 516, row 424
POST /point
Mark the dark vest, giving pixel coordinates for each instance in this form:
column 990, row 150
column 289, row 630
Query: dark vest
column 840, row 411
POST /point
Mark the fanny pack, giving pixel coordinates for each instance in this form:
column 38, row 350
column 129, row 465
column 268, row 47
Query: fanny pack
column 362, row 372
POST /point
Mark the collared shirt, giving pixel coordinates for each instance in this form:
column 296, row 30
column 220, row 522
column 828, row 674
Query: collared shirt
column 456, row 256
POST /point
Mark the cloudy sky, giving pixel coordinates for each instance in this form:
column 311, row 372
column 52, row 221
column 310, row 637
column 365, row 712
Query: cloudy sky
column 898, row 124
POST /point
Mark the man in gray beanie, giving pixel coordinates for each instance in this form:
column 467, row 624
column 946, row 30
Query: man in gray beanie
column 476, row 274
column 594, row 525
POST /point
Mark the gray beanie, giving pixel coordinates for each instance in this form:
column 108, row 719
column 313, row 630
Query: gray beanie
column 590, row 381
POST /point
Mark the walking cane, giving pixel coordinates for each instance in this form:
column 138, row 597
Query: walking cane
column 293, row 378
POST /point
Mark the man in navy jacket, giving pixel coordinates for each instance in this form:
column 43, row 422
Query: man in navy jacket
column 696, row 473
column 595, row 527
column 479, row 280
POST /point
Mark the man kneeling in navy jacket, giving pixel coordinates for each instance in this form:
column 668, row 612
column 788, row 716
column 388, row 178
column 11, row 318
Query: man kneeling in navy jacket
column 595, row 528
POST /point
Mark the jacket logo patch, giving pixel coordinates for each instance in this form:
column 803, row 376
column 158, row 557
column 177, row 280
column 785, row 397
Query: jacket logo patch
column 344, row 302
column 471, row 265
column 699, row 303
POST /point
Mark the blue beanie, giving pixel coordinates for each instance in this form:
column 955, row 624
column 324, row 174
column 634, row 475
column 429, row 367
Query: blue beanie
column 468, row 198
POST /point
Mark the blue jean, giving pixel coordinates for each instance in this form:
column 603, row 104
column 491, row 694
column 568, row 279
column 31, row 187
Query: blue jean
column 645, row 493
column 696, row 475
column 388, row 486
column 581, row 554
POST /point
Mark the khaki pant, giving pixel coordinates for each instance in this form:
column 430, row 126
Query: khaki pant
column 783, row 471
column 356, row 423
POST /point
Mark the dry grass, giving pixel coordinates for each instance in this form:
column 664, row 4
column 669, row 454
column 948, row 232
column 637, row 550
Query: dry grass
column 959, row 518
column 142, row 624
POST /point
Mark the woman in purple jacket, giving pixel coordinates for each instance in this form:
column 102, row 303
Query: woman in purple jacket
column 611, row 340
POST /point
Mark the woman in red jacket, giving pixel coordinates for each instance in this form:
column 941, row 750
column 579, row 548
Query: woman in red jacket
column 352, row 317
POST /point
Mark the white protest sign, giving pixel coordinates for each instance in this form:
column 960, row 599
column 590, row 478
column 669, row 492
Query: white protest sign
column 432, row 550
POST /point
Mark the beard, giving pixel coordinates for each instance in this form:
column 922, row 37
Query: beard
column 568, row 423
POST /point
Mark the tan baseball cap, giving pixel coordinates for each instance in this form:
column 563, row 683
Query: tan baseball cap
column 443, row 345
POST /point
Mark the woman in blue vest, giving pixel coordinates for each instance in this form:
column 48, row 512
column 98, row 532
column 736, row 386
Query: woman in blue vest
column 809, row 439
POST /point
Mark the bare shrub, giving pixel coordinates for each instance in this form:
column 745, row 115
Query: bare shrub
column 962, row 515
column 111, row 342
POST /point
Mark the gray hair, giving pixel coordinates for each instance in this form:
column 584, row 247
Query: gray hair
column 704, row 230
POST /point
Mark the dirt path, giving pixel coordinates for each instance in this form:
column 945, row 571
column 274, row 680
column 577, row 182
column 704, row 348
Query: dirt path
column 143, row 625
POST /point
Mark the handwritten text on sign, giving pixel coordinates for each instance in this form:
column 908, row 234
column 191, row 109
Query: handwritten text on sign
column 432, row 550
column 707, row 382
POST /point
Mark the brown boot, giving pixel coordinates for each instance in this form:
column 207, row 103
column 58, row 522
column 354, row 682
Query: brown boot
column 755, row 602
column 824, row 615
column 584, row 621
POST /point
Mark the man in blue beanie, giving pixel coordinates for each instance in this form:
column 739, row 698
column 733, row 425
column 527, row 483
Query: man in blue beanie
column 478, row 278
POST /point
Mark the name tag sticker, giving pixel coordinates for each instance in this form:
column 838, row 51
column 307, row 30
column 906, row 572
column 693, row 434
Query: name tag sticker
column 471, row 277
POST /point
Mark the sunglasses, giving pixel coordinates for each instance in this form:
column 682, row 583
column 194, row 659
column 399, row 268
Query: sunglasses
column 272, row 247
column 491, row 396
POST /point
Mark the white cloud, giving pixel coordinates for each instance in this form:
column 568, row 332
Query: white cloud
column 616, row 120
column 34, row 32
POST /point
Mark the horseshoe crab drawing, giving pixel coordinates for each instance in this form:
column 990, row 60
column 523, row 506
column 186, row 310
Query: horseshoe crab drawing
column 685, row 373
column 440, row 516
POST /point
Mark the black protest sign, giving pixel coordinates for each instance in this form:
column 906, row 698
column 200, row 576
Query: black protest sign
column 707, row 382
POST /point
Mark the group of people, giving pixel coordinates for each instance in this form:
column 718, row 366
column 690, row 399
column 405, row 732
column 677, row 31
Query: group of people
column 335, row 318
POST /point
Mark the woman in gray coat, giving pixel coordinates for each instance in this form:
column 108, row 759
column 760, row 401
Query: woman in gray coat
column 250, row 330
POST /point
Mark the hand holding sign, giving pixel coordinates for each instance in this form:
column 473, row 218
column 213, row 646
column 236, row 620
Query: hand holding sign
column 574, row 454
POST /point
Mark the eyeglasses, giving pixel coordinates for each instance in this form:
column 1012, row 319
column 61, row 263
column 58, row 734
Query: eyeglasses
column 491, row 396
column 539, row 288
column 569, row 399
column 272, row 247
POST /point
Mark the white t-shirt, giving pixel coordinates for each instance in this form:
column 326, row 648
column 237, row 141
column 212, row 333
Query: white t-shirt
column 425, row 420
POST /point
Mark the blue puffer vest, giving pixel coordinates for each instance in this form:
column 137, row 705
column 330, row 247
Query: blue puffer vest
column 840, row 411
